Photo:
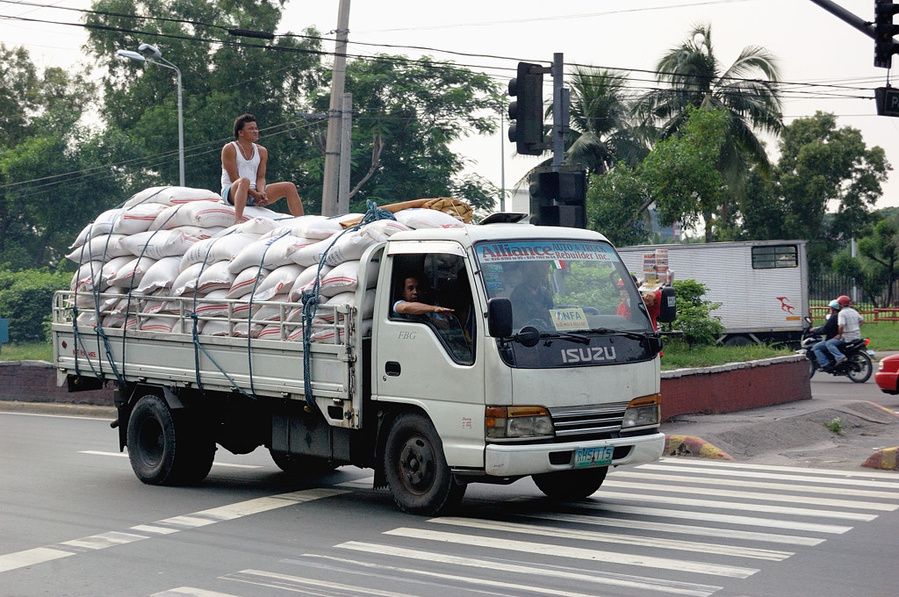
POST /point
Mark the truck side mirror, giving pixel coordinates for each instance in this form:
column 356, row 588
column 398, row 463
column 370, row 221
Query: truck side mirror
column 668, row 309
column 499, row 317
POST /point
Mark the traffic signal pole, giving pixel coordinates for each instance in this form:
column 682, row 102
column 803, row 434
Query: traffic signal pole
column 561, row 102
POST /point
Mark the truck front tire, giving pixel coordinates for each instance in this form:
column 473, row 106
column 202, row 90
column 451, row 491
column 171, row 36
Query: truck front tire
column 168, row 447
column 571, row 485
column 415, row 467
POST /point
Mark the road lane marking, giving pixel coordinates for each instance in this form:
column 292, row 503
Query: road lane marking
column 640, row 583
column 589, row 535
column 747, row 495
column 682, row 501
column 706, row 516
column 577, row 553
column 191, row 592
column 30, row 557
column 788, row 487
column 680, row 529
column 298, row 584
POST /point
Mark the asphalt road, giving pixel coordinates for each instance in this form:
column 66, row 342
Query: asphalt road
column 75, row 521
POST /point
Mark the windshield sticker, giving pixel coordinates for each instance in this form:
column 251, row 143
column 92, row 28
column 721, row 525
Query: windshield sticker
column 546, row 250
column 568, row 319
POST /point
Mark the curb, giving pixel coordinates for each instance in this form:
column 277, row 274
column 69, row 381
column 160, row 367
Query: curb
column 884, row 459
column 686, row 445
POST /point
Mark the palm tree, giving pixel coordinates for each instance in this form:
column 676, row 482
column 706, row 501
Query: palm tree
column 746, row 90
column 601, row 125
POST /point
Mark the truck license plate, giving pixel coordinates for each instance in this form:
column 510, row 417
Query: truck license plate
column 587, row 457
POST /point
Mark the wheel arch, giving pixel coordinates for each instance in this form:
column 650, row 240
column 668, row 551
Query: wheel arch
column 387, row 414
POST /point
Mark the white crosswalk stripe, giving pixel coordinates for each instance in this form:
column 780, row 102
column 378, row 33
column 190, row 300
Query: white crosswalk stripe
column 677, row 527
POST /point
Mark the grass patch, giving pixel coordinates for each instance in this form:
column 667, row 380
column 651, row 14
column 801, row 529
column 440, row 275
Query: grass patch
column 27, row 351
column 883, row 335
column 678, row 355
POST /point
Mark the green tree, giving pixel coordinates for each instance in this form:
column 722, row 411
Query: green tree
column 681, row 174
column 616, row 203
column 746, row 91
column 407, row 113
column 877, row 266
column 821, row 168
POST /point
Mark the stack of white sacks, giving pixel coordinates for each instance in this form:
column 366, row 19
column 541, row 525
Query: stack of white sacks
column 241, row 280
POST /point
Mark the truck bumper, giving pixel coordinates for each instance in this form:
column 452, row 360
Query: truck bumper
column 504, row 460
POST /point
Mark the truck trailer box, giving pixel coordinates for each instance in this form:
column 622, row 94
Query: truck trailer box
column 761, row 286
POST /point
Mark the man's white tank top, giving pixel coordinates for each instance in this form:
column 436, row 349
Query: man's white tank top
column 245, row 168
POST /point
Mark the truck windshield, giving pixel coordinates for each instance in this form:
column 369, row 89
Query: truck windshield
column 563, row 286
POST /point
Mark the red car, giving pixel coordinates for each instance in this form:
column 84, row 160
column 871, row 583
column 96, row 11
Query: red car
column 888, row 374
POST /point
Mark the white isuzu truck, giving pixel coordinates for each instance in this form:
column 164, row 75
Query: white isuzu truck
column 506, row 386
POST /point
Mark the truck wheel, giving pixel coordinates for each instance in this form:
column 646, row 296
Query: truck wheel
column 417, row 474
column 571, row 485
column 859, row 367
column 165, row 449
column 301, row 465
column 738, row 341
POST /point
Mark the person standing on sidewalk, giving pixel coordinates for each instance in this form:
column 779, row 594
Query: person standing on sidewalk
column 849, row 328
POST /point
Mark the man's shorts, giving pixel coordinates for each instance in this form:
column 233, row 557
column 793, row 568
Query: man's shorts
column 227, row 200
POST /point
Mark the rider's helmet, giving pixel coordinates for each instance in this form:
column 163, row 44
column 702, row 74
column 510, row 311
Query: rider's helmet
column 844, row 300
column 834, row 305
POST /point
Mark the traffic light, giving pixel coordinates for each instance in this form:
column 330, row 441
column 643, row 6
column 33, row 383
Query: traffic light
column 559, row 198
column 527, row 109
column 884, row 30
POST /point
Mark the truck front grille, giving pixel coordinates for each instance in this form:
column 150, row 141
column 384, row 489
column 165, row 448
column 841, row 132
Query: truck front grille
column 588, row 422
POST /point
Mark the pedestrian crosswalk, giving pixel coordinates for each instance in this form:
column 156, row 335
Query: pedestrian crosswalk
column 675, row 527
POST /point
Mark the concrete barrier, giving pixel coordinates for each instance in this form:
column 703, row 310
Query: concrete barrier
column 735, row 386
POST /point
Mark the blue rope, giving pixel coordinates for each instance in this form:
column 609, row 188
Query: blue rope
column 311, row 299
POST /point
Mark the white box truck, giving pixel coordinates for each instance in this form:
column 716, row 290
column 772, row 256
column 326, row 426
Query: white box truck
column 762, row 286
column 501, row 389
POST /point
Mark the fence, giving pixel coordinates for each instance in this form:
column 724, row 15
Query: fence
column 824, row 288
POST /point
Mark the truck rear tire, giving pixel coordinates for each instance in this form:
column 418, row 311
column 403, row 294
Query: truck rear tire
column 166, row 447
column 415, row 467
column 571, row 485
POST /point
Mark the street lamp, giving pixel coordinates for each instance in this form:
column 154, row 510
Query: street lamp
column 147, row 54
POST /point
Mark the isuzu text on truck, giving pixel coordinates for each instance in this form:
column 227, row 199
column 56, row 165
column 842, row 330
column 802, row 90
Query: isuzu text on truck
column 500, row 389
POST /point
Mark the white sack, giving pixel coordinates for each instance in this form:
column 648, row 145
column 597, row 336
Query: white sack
column 88, row 277
column 278, row 281
column 137, row 219
column 102, row 224
column 160, row 275
column 171, row 196
column 205, row 214
column 419, row 217
column 159, row 243
column 186, row 282
column 246, row 280
column 276, row 251
column 215, row 277
column 131, row 273
column 103, row 247
column 381, row 230
column 112, row 267
column 304, row 282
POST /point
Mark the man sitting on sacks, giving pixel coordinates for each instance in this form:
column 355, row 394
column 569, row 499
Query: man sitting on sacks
column 243, row 173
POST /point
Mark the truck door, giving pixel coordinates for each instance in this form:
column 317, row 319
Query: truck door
column 431, row 359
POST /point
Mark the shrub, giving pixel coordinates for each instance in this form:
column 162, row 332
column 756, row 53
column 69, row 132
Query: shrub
column 694, row 314
column 26, row 299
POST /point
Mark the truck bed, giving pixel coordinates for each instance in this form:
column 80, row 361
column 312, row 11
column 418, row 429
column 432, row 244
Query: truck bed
column 269, row 367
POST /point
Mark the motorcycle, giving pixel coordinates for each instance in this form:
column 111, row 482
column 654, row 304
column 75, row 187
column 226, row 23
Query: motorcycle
column 857, row 366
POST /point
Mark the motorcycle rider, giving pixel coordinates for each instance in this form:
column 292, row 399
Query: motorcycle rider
column 849, row 323
column 828, row 330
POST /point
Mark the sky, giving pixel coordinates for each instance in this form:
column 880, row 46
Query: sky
column 830, row 62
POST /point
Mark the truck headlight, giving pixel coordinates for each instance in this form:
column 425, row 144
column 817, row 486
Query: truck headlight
column 517, row 422
column 645, row 411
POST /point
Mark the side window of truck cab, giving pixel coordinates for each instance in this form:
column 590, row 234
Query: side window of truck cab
column 433, row 289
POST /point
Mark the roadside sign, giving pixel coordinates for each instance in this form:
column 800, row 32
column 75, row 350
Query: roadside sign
column 887, row 99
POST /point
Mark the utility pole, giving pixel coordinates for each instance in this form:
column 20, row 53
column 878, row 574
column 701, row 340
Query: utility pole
column 332, row 145
column 346, row 146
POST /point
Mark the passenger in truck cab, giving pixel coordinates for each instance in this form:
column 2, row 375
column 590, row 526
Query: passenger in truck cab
column 413, row 293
